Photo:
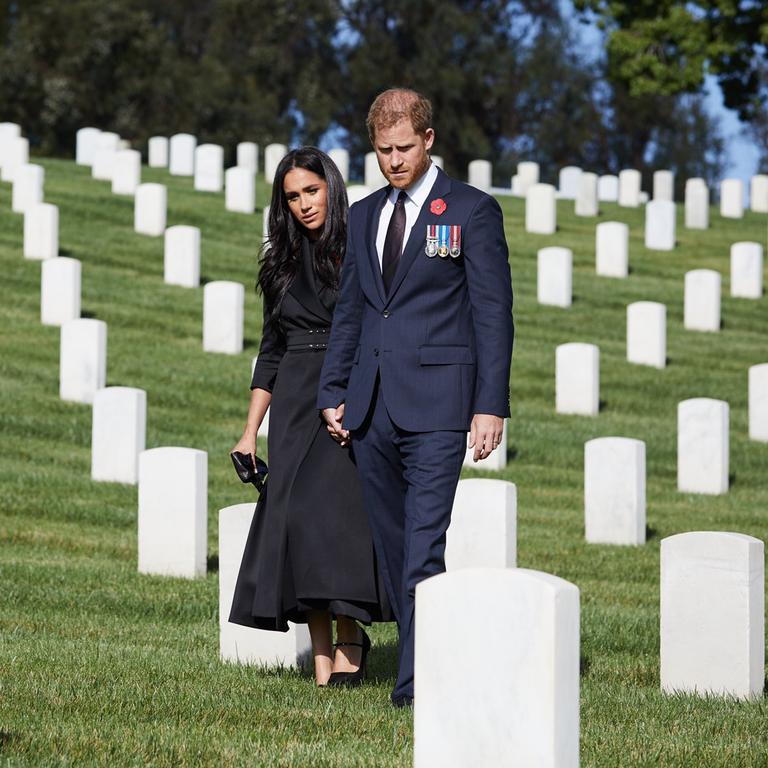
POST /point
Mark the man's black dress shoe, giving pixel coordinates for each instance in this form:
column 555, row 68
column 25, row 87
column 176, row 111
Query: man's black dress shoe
column 351, row 679
column 401, row 702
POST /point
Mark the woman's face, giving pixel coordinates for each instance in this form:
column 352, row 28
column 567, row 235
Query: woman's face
column 307, row 196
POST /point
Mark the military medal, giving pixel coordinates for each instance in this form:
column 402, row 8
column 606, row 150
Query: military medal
column 455, row 242
column 431, row 249
column 443, row 248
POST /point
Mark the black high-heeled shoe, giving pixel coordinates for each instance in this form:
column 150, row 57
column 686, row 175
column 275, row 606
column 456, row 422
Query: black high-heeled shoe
column 351, row 679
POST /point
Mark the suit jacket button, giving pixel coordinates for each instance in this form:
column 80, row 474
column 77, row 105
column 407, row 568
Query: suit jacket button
column 385, row 313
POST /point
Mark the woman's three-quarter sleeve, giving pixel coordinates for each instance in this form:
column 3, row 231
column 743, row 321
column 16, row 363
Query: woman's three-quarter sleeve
column 271, row 353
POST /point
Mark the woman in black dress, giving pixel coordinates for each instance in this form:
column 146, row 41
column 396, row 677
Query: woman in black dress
column 309, row 555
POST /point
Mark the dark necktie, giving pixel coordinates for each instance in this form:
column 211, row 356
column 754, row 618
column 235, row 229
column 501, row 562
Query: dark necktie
column 393, row 242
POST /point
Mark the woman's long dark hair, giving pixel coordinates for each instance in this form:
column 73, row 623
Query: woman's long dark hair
column 281, row 253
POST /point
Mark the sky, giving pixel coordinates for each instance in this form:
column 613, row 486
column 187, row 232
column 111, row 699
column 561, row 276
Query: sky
column 741, row 153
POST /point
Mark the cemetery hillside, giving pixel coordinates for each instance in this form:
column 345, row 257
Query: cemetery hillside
column 130, row 320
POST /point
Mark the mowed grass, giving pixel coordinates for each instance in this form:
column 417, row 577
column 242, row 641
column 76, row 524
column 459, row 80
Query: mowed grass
column 102, row 666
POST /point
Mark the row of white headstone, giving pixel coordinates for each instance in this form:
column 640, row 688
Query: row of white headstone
column 554, row 284
column 712, row 632
column 587, row 189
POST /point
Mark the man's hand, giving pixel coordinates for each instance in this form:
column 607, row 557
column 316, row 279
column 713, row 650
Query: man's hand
column 484, row 434
column 333, row 418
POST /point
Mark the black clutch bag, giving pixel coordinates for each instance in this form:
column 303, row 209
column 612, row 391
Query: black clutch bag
column 247, row 472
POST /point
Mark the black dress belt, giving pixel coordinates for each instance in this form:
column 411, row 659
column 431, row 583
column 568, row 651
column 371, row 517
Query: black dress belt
column 312, row 338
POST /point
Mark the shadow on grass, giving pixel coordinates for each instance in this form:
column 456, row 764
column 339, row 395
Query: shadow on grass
column 584, row 666
column 6, row 738
column 213, row 563
column 602, row 405
column 88, row 314
column 65, row 252
column 731, row 479
column 382, row 663
column 650, row 533
column 765, row 688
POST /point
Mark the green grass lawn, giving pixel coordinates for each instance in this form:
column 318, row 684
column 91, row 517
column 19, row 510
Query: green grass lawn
column 101, row 666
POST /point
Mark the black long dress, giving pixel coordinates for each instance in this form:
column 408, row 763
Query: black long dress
column 309, row 545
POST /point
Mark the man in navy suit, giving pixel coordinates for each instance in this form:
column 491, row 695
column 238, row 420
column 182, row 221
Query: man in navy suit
column 420, row 350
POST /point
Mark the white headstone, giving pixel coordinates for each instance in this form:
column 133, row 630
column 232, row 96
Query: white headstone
column 696, row 204
column 437, row 160
column 86, row 141
column 483, row 529
column 516, row 186
column 702, row 446
column 529, row 715
column 373, row 177
column 614, row 491
column 702, row 300
column 103, row 164
column 181, row 264
column 8, row 132
column 540, row 209
column 629, row 188
column 660, row 225
column 209, row 168
column 569, row 179
column 495, row 462
column 149, row 213
column 158, row 152
column 664, row 186
column 586, row 195
column 747, row 270
column 82, row 359
column 647, row 334
column 527, row 175
column 28, row 183
column 248, row 156
column 60, row 290
column 612, row 249
column 246, row 645
column 479, row 174
column 118, row 434
column 341, row 158
column 732, row 198
column 173, row 512
column 608, row 189
column 240, row 190
column 712, row 614
column 555, row 276
column 758, row 193
column 758, row 402
column 41, row 232
column 223, row 317
column 357, row 192
column 577, row 379
column 15, row 154
column 265, row 224
column 273, row 154
column 182, row 155
column 126, row 172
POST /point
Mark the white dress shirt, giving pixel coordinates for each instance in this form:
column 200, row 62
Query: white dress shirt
column 417, row 195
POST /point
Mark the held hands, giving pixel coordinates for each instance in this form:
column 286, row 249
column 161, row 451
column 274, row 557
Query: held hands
column 333, row 418
column 485, row 434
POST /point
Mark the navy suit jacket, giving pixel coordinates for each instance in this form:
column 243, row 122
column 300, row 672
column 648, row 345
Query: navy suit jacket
column 441, row 341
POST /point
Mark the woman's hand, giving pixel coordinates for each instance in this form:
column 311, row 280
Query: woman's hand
column 247, row 445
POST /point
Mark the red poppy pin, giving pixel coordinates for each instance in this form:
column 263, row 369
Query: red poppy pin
column 438, row 207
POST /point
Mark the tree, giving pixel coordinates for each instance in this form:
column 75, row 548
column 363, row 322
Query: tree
column 666, row 47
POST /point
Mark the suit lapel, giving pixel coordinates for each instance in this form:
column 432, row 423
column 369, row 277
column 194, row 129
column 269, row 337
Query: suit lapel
column 417, row 237
column 370, row 237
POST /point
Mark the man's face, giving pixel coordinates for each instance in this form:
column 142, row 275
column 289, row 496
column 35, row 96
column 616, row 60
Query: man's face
column 402, row 153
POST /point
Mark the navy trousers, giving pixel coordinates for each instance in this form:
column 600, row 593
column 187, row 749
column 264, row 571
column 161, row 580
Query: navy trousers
column 409, row 482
